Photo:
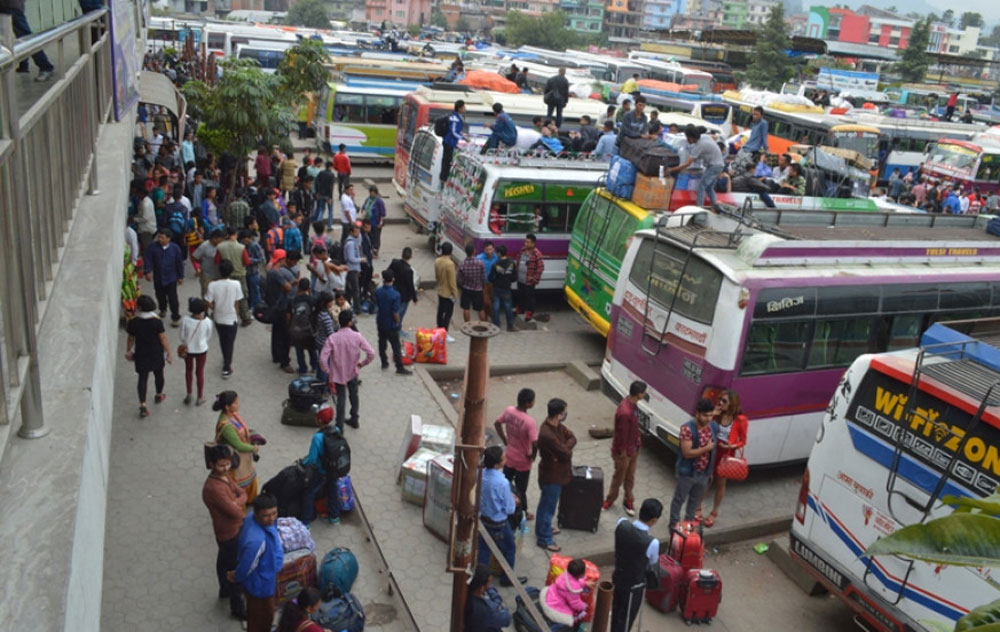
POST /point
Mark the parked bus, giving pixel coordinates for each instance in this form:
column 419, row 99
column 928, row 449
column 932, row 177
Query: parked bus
column 267, row 54
column 425, row 105
column 903, row 429
column 617, row 70
column 717, row 114
column 672, row 72
column 971, row 165
column 777, row 310
column 502, row 199
column 363, row 118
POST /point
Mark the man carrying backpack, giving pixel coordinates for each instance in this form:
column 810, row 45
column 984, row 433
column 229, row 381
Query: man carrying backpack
column 330, row 454
column 503, row 276
column 300, row 326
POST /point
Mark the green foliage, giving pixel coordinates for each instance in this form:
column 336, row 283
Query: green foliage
column 462, row 25
column 413, row 30
column 948, row 17
column 302, row 68
column 550, row 30
column 771, row 65
column 310, row 13
column 982, row 619
column 971, row 18
column 993, row 39
column 915, row 60
column 438, row 20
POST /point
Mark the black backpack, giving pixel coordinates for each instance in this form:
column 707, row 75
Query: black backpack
column 300, row 326
column 441, row 125
column 336, row 453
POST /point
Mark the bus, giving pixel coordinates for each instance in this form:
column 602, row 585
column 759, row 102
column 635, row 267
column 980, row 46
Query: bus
column 776, row 308
column 903, row 429
column 385, row 70
column 268, row 55
column 933, row 98
column 363, row 118
column 502, row 199
column 971, row 165
column 617, row 70
column 716, row 114
column 722, row 74
column 423, row 106
column 672, row 72
column 600, row 237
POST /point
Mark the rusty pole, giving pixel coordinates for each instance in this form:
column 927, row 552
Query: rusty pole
column 465, row 533
column 602, row 611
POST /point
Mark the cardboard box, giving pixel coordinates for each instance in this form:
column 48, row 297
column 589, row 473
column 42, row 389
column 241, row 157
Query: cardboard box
column 652, row 192
column 440, row 439
column 437, row 503
column 414, row 476
column 411, row 441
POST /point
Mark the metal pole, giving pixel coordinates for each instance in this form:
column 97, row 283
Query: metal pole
column 602, row 610
column 466, row 477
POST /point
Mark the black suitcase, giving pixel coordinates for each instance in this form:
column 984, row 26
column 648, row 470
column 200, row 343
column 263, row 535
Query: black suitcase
column 658, row 156
column 306, row 392
column 292, row 416
column 581, row 500
column 632, row 149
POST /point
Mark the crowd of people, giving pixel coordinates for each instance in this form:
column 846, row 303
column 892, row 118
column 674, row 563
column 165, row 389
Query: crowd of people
column 912, row 189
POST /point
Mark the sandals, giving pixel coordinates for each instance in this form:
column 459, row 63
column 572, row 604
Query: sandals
column 710, row 521
column 698, row 517
column 143, row 411
column 159, row 398
column 553, row 548
column 556, row 530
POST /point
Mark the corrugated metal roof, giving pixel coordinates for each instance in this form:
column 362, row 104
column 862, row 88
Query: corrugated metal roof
column 860, row 50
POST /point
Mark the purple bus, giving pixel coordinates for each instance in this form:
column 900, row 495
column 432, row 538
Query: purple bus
column 502, row 199
column 778, row 307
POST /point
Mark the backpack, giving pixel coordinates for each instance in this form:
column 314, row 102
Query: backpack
column 176, row 221
column 441, row 125
column 300, row 326
column 343, row 613
column 275, row 239
column 336, row 453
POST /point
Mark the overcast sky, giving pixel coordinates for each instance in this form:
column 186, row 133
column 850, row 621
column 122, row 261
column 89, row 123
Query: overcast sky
column 989, row 8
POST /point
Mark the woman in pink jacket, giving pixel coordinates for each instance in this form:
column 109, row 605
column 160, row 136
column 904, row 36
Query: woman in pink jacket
column 562, row 600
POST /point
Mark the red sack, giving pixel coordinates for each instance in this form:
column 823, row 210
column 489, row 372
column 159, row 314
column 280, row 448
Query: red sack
column 432, row 346
column 557, row 566
column 733, row 466
column 409, row 353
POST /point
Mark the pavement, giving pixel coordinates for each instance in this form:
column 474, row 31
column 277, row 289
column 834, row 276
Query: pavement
column 159, row 564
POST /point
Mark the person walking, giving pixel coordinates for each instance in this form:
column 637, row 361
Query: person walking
column 262, row 167
column 348, row 213
column 471, row 278
column 375, row 213
column 235, row 254
column 342, row 165
column 519, row 432
column 625, row 447
column 148, row 348
column 556, row 96
column 205, row 256
column 445, row 273
column 19, row 22
column 231, row 430
column 497, row 502
column 732, row 437
column 225, row 501
column 503, row 276
column 404, row 283
column 257, row 258
column 354, row 259
column 388, row 322
column 258, row 561
column 530, row 266
column 696, row 461
column 163, row 264
column 304, row 199
column 555, row 469
column 341, row 360
column 451, row 138
column 196, row 331
column 636, row 550
column 325, row 180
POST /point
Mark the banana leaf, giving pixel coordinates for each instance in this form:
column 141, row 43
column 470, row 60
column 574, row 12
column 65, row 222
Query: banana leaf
column 960, row 539
column 982, row 619
column 989, row 505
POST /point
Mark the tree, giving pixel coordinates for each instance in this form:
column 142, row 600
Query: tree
column 913, row 65
column 302, row 69
column 548, row 30
column 413, row 30
column 993, row 39
column 438, row 20
column 771, row 66
column 462, row 25
column 948, row 17
column 311, row 13
column 970, row 18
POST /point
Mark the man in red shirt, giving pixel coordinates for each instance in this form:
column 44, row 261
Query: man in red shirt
column 262, row 165
column 625, row 447
column 342, row 165
column 519, row 432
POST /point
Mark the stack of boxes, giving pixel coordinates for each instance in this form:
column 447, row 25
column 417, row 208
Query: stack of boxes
column 423, row 443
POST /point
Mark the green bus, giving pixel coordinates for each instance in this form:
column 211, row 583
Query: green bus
column 601, row 235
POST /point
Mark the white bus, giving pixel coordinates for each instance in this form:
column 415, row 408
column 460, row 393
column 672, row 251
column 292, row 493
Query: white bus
column 267, row 54
column 902, row 430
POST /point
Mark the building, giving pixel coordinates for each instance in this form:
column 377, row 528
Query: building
column 657, row 15
column 734, row 13
column 399, row 12
column 532, row 7
column 884, row 29
column 622, row 20
column 584, row 16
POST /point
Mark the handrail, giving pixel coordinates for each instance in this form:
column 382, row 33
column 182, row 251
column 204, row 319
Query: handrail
column 6, row 56
column 33, row 43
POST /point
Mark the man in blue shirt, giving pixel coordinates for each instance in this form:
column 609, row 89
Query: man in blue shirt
column 951, row 203
column 497, row 501
column 504, row 130
column 316, row 458
column 606, row 143
column 164, row 266
column 450, row 140
column 484, row 610
column 488, row 256
column 259, row 559
column 758, row 132
column 353, row 259
column 388, row 322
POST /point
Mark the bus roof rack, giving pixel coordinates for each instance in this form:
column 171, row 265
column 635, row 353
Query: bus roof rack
column 514, row 158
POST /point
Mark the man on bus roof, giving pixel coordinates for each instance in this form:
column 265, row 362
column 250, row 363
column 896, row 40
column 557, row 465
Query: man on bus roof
column 758, row 132
column 451, row 138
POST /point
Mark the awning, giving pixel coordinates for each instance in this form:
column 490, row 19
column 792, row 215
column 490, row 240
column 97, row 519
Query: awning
column 157, row 89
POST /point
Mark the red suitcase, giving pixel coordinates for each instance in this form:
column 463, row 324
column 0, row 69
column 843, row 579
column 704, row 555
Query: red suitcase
column 703, row 595
column 686, row 545
column 672, row 581
column 298, row 572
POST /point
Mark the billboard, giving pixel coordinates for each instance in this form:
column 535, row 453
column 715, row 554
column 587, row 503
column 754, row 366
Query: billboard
column 847, row 80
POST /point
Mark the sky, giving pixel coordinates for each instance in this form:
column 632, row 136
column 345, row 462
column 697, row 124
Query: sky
column 990, row 9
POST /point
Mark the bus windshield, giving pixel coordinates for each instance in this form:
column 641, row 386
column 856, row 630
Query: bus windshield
column 954, row 156
column 864, row 143
column 697, row 292
column 703, row 83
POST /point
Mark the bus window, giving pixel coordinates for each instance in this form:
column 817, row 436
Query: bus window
column 909, row 298
column 697, row 293
column 836, row 343
column 407, row 124
column 563, row 205
column 965, row 295
column 775, row 347
column 989, row 167
column 847, row 300
column 616, row 241
column 381, row 109
column 423, row 153
column 350, row 107
column 904, row 331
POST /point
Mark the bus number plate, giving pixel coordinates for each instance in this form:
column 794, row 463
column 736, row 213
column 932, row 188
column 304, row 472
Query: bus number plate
column 625, row 327
column 692, row 371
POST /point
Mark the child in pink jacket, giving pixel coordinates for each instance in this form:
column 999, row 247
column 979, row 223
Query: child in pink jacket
column 562, row 600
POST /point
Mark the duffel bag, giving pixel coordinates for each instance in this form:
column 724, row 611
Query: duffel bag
column 341, row 613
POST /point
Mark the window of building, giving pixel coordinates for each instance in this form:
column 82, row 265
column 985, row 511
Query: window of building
column 893, row 41
column 873, row 38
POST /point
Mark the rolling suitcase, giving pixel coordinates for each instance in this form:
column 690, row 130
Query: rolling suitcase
column 305, row 392
column 298, row 572
column 292, row 416
column 702, row 597
column 686, row 545
column 672, row 578
column 581, row 500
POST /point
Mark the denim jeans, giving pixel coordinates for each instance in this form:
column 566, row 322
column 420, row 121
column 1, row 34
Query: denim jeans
column 21, row 28
column 402, row 312
column 547, row 503
column 505, row 298
column 322, row 204
column 253, row 289
column 300, row 355
column 503, row 535
column 312, row 492
column 345, row 392
column 707, row 184
column 690, row 489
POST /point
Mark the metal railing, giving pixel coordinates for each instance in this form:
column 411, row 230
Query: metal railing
column 48, row 135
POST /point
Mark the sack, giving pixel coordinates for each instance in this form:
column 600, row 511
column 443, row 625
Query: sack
column 300, row 328
column 671, row 581
column 293, row 416
column 336, row 453
column 176, row 221
column 733, row 467
column 686, row 545
column 294, row 535
column 274, row 239
column 557, row 566
column 550, row 98
column 409, row 353
column 441, row 125
column 702, row 596
column 338, row 570
column 523, row 621
column 345, row 493
column 652, row 193
column 182, row 351
column 656, row 157
column 621, row 177
column 432, row 346
column 342, row 613
column 632, row 149
column 306, row 392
